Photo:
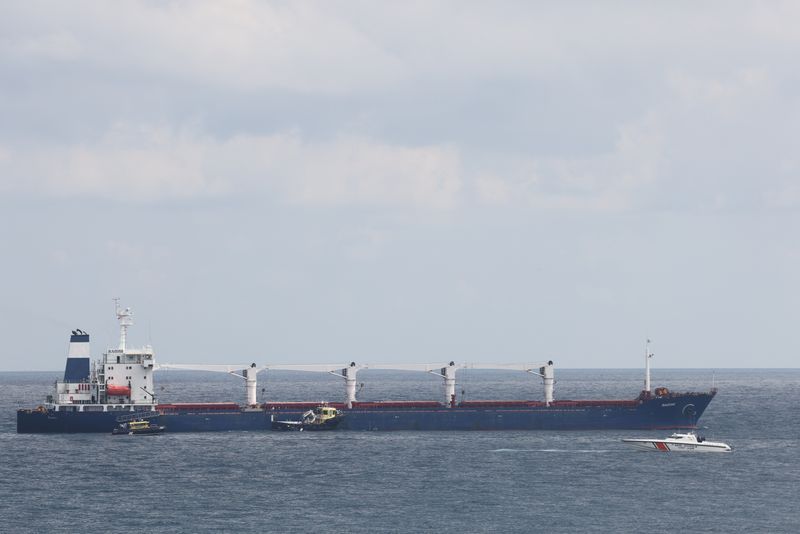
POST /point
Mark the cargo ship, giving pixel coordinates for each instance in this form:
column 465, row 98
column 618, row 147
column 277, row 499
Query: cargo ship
column 97, row 396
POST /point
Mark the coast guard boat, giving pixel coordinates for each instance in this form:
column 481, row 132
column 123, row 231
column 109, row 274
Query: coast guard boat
column 678, row 442
column 95, row 397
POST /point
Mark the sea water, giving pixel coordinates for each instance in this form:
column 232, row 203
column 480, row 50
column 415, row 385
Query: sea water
column 539, row 481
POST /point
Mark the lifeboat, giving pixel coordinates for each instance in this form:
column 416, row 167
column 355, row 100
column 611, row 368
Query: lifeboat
column 118, row 391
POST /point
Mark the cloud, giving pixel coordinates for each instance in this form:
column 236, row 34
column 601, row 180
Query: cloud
column 708, row 143
column 240, row 45
column 492, row 189
column 56, row 46
column 721, row 94
column 572, row 107
column 135, row 163
column 336, row 47
column 147, row 163
column 610, row 181
column 351, row 170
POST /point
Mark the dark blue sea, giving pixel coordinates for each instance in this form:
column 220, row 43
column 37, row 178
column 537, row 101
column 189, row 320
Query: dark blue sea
column 411, row 481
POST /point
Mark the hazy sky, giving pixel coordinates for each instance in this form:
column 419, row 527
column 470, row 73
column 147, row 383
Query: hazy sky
column 314, row 182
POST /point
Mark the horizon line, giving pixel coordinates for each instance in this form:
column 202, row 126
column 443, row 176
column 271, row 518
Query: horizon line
column 464, row 369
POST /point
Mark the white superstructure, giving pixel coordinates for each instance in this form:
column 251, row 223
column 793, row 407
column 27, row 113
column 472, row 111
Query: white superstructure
column 121, row 380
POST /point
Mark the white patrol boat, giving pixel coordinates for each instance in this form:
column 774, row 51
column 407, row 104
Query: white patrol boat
column 678, row 442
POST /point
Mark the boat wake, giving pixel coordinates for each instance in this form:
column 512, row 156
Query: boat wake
column 580, row 451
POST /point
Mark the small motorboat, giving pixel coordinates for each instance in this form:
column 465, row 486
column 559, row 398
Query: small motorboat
column 677, row 442
column 138, row 427
column 320, row 418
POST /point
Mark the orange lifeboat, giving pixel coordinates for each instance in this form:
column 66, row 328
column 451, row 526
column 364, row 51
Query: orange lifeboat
column 119, row 391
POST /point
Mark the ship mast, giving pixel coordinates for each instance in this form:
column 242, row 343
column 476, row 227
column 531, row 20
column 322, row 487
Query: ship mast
column 125, row 318
column 647, row 356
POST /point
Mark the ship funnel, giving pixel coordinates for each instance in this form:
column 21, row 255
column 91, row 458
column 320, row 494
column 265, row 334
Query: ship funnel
column 77, row 369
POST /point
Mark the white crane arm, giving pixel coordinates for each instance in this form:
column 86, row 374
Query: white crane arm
column 312, row 368
column 406, row 367
column 528, row 368
column 232, row 369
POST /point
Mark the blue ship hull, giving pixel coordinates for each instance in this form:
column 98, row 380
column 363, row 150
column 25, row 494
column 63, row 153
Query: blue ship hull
column 678, row 411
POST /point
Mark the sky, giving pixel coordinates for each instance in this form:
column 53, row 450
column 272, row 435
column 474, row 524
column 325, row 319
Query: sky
column 402, row 182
